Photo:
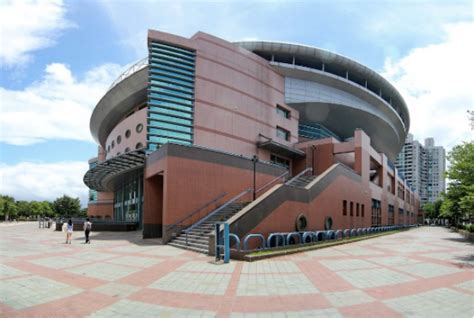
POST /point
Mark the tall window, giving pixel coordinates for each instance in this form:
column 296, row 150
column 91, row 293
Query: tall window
column 283, row 133
column 344, row 207
column 170, row 95
column 376, row 212
column 283, row 112
column 357, row 209
column 351, row 209
column 391, row 215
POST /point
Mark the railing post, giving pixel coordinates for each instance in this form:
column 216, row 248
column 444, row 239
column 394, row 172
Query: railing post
column 226, row 243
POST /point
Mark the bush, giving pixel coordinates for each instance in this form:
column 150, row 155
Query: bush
column 469, row 228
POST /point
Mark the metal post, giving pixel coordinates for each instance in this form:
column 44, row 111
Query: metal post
column 226, row 243
column 217, row 243
column 254, row 159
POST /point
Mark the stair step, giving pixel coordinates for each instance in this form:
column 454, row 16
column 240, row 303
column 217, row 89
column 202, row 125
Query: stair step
column 181, row 239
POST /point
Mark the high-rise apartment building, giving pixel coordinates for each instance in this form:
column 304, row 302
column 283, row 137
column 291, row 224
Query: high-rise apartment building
column 423, row 167
column 435, row 157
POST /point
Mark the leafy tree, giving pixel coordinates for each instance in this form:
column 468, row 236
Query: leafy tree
column 8, row 209
column 23, row 208
column 429, row 210
column 66, row 206
column 459, row 199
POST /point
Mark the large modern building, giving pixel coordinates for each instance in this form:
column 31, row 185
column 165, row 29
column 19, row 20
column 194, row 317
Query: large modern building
column 423, row 167
column 205, row 127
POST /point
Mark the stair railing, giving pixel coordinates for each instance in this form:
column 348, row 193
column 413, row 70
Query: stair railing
column 282, row 176
column 196, row 211
column 299, row 175
column 226, row 204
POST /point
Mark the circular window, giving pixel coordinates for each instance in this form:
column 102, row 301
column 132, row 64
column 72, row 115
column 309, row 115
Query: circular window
column 301, row 223
column 328, row 223
column 127, row 150
column 139, row 146
column 139, row 128
column 128, row 133
column 113, row 144
column 119, row 139
column 108, row 148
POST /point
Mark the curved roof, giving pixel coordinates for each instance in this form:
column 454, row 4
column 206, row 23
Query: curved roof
column 117, row 102
column 334, row 63
column 104, row 176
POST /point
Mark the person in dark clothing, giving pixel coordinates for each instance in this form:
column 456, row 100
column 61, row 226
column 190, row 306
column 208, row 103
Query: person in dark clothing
column 87, row 230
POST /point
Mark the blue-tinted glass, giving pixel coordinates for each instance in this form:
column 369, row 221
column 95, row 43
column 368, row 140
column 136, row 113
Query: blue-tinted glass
column 168, row 111
column 172, row 80
column 170, row 95
column 170, row 91
column 160, row 124
column 171, row 85
column 170, row 98
column 170, row 119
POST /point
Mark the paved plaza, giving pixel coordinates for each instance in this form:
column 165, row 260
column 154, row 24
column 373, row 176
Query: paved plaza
column 424, row 272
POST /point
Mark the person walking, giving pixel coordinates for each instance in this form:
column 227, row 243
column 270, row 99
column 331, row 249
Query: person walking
column 64, row 229
column 69, row 231
column 87, row 230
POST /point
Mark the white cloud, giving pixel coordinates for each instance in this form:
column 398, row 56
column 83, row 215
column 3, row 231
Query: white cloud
column 436, row 82
column 27, row 26
column 56, row 107
column 44, row 181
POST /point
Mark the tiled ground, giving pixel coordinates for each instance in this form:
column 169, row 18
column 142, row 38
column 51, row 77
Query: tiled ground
column 425, row 272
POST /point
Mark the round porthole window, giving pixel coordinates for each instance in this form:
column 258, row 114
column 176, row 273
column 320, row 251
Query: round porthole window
column 139, row 146
column 128, row 133
column 301, row 223
column 108, row 148
column 139, row 128
column 113, row 144
column 119, row 139
column 127, row 150
column 328, row 223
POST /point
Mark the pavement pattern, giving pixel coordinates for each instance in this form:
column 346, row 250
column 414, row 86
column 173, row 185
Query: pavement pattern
column 423, row 272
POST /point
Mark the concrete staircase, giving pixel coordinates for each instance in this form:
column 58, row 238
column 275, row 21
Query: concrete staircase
column 301, row 181
column 198, row 237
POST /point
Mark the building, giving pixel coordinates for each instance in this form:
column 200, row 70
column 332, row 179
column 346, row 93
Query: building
column 423, row 167
column 205, row 127
column 435, row 169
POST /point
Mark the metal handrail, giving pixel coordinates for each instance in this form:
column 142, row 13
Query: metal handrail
column 129, row 71
column 299, row 175
column 197, row 210
column 238, row 196
column 271, row 182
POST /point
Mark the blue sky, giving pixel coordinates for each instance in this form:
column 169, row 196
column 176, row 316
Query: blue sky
column 58, row 58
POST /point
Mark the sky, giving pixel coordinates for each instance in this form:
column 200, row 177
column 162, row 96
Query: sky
column 57, row 59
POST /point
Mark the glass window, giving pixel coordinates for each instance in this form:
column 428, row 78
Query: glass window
column 344, row 207
column 351, row 209
column 113, row 144
column 280, row 161
column 170, row 119
column 139, row 146
column 283, row 112
column 119, row 139
column 283, row 133
column 139, row 128
column 127, row 149
column 357, row 209
column 128, row 133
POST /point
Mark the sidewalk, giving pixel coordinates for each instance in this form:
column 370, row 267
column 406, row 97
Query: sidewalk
column 425, row 272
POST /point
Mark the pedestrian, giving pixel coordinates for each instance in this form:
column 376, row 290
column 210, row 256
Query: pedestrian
column 64, row 229
column 69, row 231
column 87, row 230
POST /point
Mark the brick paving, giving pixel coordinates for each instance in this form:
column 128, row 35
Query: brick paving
column 424, row 272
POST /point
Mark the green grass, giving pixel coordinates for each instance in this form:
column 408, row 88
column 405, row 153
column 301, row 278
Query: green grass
column 313, row 246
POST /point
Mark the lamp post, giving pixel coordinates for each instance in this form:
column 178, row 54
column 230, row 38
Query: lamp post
column 254, row 160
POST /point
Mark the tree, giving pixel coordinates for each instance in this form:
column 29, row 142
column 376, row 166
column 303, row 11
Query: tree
column 8, row 207
column 459, row 199
column 66, row 206
column 23, row 207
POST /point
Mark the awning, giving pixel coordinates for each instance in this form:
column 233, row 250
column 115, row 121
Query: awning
column 280, row 149
column 99, row 178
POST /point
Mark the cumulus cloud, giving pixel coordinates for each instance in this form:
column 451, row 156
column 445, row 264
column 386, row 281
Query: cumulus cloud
column 58, row 106
column 43, row 181
column 27, row 26
column 436, row 82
